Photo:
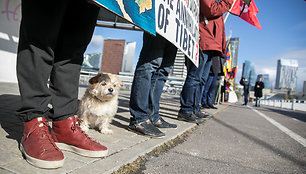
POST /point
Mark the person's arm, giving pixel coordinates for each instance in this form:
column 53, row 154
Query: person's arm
column 211, row 9
column 257, row 85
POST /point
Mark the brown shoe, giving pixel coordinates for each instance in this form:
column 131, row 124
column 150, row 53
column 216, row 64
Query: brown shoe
column 68, row 135
column 38, row 146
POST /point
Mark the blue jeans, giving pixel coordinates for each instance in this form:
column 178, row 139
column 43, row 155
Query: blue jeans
column 208, row 89
column 154, row 65
column 191, row 93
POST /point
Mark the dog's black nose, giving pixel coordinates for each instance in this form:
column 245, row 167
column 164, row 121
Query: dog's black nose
column 110, row 89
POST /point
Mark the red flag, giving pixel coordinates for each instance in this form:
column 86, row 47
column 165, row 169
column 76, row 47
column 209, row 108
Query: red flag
column 247, row 13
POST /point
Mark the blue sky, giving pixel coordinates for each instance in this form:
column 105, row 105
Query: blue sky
column 283, row 35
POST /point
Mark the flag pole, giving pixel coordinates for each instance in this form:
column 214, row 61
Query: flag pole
column 228, row 12
column 226, row 16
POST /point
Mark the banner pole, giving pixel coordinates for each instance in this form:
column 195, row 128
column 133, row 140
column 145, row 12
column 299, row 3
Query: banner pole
column 226, row 16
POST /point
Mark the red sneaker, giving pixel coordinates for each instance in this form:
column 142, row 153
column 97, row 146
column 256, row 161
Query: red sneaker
column 68, row 135
column 38, row 146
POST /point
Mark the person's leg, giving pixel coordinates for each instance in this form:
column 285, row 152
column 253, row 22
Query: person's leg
column 75, row 34
column 193, row 80
column 211, row 90
column 206, row 90
column 203, row 79
column 259, row 101
column 39, row 30
column 256, row 101
column 160, row 77
column 245, row 94
column 149, row 61
column 188, row 94
column 141, row 100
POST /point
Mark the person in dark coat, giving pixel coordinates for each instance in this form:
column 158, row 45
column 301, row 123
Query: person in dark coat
column 246, row 86
column 259, row 85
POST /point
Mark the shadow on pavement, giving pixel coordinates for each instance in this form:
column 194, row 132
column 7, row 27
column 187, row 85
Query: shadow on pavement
column 9, row 122
column 123, row 107
column 263, row 144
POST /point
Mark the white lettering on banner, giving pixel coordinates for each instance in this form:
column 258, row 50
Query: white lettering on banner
column 178, row 22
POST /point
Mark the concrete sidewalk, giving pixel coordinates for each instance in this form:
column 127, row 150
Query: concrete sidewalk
column 124, row 146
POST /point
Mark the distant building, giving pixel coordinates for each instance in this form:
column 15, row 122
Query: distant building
column 92, row 61
column 234, row 50
column 248, row 71
column 128, row 57
column 265, row 80
column 286, row 77
column 112, row 56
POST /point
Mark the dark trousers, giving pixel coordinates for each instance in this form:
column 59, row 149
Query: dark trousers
column 246, row 97
column 53, row 38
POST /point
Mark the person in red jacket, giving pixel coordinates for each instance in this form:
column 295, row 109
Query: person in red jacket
column 212, row 44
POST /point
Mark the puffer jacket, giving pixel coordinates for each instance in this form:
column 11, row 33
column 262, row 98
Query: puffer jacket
column 212, row 34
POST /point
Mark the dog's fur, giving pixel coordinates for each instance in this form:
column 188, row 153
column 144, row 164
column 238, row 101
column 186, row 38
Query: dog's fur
column 100, row 102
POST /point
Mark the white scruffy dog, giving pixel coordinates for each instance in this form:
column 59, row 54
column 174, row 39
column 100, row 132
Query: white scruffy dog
column 100, row 102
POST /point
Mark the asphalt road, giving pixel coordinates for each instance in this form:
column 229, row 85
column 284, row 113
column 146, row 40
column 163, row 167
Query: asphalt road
column 240, row 140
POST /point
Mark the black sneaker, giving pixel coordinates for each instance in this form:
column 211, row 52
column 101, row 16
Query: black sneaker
column 203, row 116
column 189, row 117
column 147, row 128
column 205, row 106
column 212, row 107
column 163, row 124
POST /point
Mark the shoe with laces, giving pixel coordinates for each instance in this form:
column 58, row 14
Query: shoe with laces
column 38, row 147
column 163, row 124
column 68, row 136
column 146, row 128
column 189, row 117
column 203, row 116
column 212, row 107
column 205, row 106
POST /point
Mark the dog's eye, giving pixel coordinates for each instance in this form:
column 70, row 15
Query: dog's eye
column 114, row 85
column 103, row 83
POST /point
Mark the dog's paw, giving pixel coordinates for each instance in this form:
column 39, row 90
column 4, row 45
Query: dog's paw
column 84, row 128
column 106, row 131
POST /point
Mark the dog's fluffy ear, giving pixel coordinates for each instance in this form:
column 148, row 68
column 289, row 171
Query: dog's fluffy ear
column 95, row 79
column 99, row 78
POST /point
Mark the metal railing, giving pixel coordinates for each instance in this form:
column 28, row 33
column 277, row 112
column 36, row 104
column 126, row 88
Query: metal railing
column 286, row 104
column 172, row 86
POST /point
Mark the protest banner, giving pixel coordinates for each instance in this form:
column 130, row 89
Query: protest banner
column 138, row 12
column 178, row 22
column 175, row 20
